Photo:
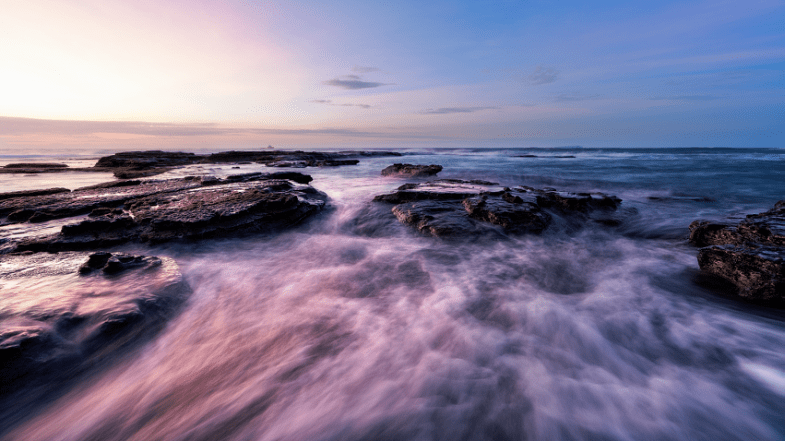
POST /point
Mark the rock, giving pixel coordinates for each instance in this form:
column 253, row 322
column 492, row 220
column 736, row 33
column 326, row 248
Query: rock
column 57, row 319
column 158, row 211
column 749, row 254
column 757, row 272
column 147, row 159
column 35, row 165
column 451, row 207
column 144, row 163
column 26, row 193
column 509, row 212
column 411, row 170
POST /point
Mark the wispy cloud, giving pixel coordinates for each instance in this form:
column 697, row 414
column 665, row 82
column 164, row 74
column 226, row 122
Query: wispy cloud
column 448, row 110
column 330, row 103
column 543, row 75
column 365, row 69
column 352, row 82
column 575, row 96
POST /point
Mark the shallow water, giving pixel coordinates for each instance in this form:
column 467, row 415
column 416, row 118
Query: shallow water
column 353, row 327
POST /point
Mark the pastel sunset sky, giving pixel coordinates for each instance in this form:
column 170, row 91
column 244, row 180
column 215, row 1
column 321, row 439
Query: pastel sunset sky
column 236, row 74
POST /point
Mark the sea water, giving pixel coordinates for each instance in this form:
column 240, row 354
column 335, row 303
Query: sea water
column 354, row 327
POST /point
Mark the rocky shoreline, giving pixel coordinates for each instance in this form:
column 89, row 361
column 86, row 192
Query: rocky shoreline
column 65, row 331
column 138, row 164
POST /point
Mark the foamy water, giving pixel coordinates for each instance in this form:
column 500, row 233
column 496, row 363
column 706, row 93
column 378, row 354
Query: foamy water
column 354, row 327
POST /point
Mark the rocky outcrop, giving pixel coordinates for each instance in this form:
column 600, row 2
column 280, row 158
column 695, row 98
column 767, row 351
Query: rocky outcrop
column 750, row 254
column 411, row 170
column 57, row 320
column 451, row 207
column 157, row 211
column 143, row 163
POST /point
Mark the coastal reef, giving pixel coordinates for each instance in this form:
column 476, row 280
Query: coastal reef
column 155, row 211
column 750, row 254
column 451, row 207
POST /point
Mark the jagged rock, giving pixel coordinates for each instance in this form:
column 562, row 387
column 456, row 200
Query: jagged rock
column 757, row 272
column 157, row 211
column 749, row 254
column 451, row 207
column 56, row 319
column 399, row 169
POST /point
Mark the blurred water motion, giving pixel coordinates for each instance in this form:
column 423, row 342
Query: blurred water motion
column 340, row 331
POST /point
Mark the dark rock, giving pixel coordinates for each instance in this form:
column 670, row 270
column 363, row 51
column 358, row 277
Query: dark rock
column 59, row 319
column 705, row 233
column 437, row 218
column 26, row 193
column 749, row 254
column 440, row 190
column 185, row 208
column 95, row 261
column 147, row 159
column 509, row 212
column 128, row 165
column 757, row 272
column 450, row 207
column 35, row 165
column 572, row 202
column 411, row 170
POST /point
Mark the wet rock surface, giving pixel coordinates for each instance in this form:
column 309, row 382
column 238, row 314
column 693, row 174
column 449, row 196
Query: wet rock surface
column 156, row 211
column 451, row 207
column 750, row 254
column 57, row 319
column 399, row 169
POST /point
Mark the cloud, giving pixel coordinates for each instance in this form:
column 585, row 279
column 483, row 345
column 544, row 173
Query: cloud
column 365, row 69
column 448, row 110
column 352, row 82
column 330, row 103
column 543, row 75
column 575, row 96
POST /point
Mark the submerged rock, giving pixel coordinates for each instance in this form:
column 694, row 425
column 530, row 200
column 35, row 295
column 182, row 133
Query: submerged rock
column 750, row 254
column 399, row 169
column 451, row 207
column 57, row 319
column 157, row 211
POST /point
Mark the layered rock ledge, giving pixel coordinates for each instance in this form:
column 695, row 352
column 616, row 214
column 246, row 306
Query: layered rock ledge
column 161, row 210
column 129, row 165
column 450, row 207
column 750, row 254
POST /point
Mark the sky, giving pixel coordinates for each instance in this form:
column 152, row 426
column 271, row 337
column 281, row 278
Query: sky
column 239, row 74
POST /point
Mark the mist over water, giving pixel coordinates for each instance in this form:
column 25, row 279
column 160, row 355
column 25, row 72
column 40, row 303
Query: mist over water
column 354, row 327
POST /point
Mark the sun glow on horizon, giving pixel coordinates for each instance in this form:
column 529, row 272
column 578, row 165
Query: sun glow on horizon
column 154, row 62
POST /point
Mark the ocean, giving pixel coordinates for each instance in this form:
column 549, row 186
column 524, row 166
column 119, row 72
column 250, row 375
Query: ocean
column 352, row 326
